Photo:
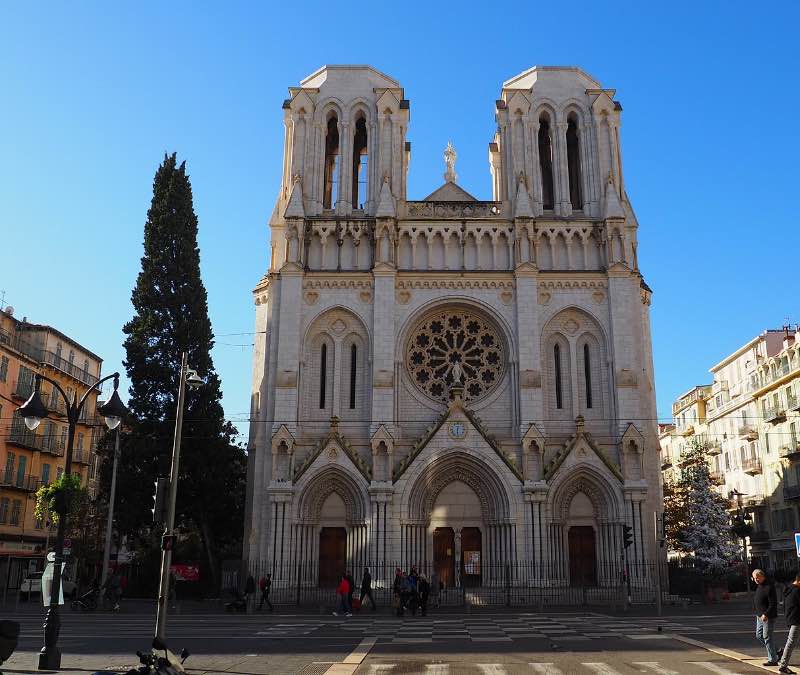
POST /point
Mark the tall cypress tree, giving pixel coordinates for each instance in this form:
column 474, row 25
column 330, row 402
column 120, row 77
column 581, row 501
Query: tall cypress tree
column 171, row 316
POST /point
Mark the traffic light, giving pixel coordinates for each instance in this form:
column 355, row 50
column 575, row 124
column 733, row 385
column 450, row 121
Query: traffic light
column 627, row 535
column 160, row 500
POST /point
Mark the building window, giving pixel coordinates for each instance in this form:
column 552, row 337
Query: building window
column 63, row 437
column 557, row 366
column 3, row 368
column 793, row 434
column 86, row 369
column 11, row 460
column 80, row 440
column 71, row 357
column 546, row 161
column 574, row 162
column 93, row 467
column 59, row 472
column 23, row 464
column 45, row 474
column 331, row 193
column 360, row 165
column 4, row 502
column 587, row 375
column 16, row 507
column 353, row 374
column 59, row 349
column 323, row 374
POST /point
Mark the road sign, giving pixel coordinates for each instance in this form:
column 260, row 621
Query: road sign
column 797, row 543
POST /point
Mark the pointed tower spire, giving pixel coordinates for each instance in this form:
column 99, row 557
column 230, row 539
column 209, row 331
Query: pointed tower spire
column 385, row 201
column 295, row 207
column 522, row 205
column 613, row 207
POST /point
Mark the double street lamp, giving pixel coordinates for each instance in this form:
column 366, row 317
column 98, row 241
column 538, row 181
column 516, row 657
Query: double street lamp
column 33, row 412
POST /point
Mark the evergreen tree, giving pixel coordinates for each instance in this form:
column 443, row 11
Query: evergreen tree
column 171, row 316
column 706, row 532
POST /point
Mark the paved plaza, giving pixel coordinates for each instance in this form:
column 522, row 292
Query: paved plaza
column 493, row 643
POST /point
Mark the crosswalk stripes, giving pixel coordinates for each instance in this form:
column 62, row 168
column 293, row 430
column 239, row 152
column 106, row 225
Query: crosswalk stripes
column 601, row 668
column 491, row 669
column 713, row 667
column 545, row 668
column 437, row 669
column 655, row 667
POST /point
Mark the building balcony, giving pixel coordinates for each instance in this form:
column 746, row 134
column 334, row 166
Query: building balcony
column 22, row 389
column 80, row 456
column 687, row 430
column 775, row 414
column 717, row 477
column 793, row 403
column 748, row 431
column 791, row 492
column 754, row 501
column 714, row 448
column 759, row 537
column 22, row 436
column 666, row 462
column 15, row 481
column 751, row 466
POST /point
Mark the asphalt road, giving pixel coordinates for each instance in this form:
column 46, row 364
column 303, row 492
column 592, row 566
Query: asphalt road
column 481, row 643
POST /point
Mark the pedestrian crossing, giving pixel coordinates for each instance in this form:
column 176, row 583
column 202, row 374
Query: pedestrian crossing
column 551, row 668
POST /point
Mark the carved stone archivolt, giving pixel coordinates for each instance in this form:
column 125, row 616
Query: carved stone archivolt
column 322, row 486
column 455, row 337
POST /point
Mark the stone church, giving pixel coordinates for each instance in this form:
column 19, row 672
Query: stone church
column 446, row 382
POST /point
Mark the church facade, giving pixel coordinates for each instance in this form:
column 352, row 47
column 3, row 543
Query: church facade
column 455, row 384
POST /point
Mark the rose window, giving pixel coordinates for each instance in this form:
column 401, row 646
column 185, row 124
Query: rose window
column 455, row 343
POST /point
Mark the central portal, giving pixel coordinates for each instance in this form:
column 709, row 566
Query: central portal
column 332, row 550
column 444, row 558
column 582, row 560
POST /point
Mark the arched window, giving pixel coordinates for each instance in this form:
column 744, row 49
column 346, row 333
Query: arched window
column 587, row 375
column 331, row 194
column 574, row 162
column 353, row 374
column 360, row 165
column 323, row 374
column 557, row 365
column 546, row 162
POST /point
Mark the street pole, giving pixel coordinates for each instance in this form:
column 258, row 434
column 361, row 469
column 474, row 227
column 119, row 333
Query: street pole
column 109, row 524
column 659, row 599
column 166, row 550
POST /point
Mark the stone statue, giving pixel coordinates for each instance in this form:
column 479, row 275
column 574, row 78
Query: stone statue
column 458, row 373
column 450, row 162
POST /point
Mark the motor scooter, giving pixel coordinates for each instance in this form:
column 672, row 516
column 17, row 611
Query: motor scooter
column 152, row 663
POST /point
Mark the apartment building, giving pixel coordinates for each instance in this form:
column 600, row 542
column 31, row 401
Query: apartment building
column 29, row 459
column 749, row 417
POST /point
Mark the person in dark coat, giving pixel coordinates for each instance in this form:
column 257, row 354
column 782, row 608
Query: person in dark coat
column 765, row 604
column 352, row 583
column 366, row 588
column 424, row 590
column 265, row 585
column 791, row 605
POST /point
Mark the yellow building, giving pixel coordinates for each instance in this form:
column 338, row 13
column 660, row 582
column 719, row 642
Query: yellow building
column 29, row 459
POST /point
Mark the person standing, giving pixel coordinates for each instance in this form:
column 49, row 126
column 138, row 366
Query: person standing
column 791, row 605
column 765, row 604
column 352, row 589
column 249, row 589
column 366, row 588
column 265, row 585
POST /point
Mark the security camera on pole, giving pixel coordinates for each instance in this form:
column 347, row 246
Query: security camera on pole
column 193, row 381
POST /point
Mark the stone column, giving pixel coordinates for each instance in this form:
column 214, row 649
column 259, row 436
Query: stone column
column 457, row 554
column 560, row 168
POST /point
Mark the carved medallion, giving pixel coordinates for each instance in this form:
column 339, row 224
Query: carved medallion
column 338, row 326
column 403, row 297
column 311, row 297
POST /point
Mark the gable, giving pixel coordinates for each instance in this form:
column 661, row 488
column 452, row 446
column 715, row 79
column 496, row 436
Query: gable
column 450, row 192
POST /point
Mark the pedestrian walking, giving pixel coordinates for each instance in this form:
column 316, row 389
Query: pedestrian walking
column 397, row 588
column 791, row 603
column 342, row 591
column 436, row 589
column 366, row 588
column 765, row 604
column 352, row 589
column 424, row 589
column 265, row 585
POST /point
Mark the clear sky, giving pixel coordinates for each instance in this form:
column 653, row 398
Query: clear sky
column 94, row 94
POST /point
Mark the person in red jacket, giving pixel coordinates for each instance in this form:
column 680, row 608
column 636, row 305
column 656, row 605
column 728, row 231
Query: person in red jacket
column 342, row 593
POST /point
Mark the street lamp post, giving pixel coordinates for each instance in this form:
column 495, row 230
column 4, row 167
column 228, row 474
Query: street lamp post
column 33, row 411
column 742, row 528
column 188, row 378
column 110, row 523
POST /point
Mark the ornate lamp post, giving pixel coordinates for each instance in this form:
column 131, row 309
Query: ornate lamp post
column 742, row 528
column 33, row 411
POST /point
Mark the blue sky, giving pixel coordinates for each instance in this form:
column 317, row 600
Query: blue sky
column 93, row 94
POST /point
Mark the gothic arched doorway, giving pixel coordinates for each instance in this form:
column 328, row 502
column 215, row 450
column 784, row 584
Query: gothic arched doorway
column 582, row 556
